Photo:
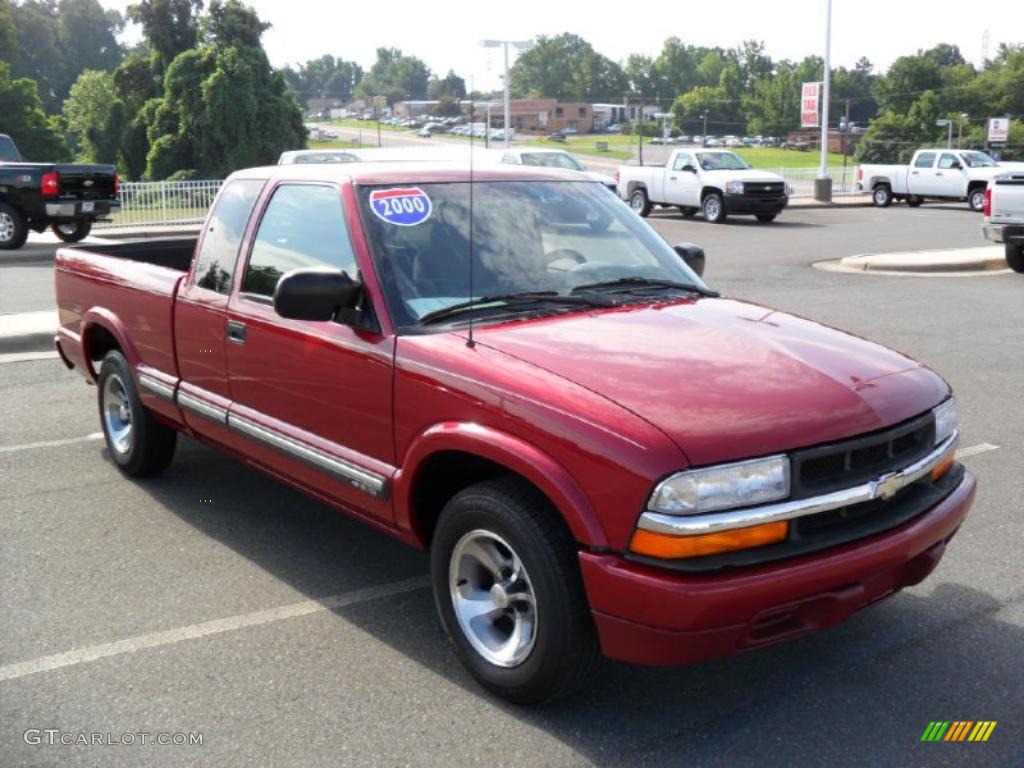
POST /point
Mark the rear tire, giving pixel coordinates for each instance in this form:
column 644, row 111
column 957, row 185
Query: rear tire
column 766, row 218
column 881, row 196
column 139, row 444
column 13, row 228
column 1015, row 256
column 509, row 592
column 976, row 199
column 714, row 208
column 72, row 231
column 639, row 202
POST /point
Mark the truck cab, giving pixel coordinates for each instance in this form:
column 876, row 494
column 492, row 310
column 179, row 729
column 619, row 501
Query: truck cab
column 938, row 174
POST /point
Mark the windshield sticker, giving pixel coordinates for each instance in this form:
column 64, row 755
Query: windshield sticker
column 403, row 207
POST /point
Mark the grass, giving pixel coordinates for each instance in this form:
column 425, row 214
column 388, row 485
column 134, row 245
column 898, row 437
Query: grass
column 773, row 157
column 342, row 143
column 366, row 125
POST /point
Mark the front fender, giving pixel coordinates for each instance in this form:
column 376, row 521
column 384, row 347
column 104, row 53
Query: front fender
column 508, row 451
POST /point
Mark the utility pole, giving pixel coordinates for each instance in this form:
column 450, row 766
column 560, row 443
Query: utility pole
column 521, row 45
column 704, row 136
column 823, row 184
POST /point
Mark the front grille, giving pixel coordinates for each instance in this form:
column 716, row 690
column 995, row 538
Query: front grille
column 844, row 464
column 764, row 188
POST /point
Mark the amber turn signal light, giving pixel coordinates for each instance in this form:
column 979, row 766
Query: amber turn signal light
column 667, row 547
column 942, row 469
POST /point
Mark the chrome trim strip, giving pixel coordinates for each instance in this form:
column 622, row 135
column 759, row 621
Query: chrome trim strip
column 363, row 479
column 880, row 488
column 202, row 408
column 158, row 388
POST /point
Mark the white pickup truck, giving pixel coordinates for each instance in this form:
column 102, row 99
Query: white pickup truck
column 948, row 174
column 1004, row 216
column 717, row 182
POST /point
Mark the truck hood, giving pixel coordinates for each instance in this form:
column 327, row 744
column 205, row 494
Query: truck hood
column 751, row 174
column 726, row 379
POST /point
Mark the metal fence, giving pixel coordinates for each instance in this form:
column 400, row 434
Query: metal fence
column 158, row 203
column 161, row 203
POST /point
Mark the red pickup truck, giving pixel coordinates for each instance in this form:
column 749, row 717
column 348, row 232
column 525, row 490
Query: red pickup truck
column 601, row 453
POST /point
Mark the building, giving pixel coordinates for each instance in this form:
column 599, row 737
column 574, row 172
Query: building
column 610, row 114
column 541, row 115
column 322, row 107
column 415, row 108
column 837, row 142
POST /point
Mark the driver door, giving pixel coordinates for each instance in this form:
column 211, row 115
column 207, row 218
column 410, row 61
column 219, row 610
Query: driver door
column 949, row 181
column 683, row 187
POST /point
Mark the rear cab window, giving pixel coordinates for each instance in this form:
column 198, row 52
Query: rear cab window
column 925, row 160
column 303, row 226
column 225, row 226
column 8, row 151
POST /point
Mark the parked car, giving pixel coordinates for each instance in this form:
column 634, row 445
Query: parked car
column 65, row 198
column 556, row 136
column 942, row 174
column 424, row 133
column 600, row 453
column 734, row 142
column 719, row 183
column 542, row 157
column 658, row 140
column 711, row 141
column 799, row 145
column 1004, row 216
column 373, row 155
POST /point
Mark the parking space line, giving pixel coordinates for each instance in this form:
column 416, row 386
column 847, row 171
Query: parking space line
column 215, row 627
column 974, row 450
column 50, row 443
column 25, row 357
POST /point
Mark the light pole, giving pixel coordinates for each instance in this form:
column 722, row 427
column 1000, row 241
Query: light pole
column 823, row 184
column 704, row 136
column 519, row 45
column 960, row 130
column 949, row 130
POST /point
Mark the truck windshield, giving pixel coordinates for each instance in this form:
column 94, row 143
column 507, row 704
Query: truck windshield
column 721, row 161
column 978, row 160
column 539, row 238
column 552, row 160
column 8, row 152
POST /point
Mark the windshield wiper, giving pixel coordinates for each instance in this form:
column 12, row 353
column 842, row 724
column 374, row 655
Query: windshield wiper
column 525, row 298
column 626, row 283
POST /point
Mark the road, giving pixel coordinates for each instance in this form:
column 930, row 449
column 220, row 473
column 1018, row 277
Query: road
column 213, row 600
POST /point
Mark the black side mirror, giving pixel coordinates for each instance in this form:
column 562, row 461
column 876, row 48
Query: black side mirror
column 688, row 168
column 693, row 255
column 956, row 164
column 315, row 294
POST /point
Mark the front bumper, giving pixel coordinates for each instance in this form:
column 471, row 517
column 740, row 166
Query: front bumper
column 647, row 615
column 79, row 209
column 1003, row 233
column 750, row 204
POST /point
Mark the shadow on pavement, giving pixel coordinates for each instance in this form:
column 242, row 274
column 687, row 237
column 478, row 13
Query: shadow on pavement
column 860, row 694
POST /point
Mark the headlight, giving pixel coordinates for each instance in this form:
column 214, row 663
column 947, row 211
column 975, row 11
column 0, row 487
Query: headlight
column 722, row 487
column 734, row 187
column 946, row 420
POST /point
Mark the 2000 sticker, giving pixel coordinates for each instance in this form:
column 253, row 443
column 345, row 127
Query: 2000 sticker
column 405, row 207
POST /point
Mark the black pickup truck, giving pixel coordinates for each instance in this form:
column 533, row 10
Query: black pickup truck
column 68, row 198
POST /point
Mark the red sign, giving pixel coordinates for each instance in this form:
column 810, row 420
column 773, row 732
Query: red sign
column 809, row 105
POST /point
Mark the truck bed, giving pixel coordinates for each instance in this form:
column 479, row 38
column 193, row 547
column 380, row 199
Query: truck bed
column 132, row 285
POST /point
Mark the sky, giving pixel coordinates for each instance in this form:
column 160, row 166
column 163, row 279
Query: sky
column 447, row 37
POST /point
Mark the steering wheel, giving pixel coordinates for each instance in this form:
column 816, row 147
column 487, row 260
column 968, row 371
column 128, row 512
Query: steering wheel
column 564, row 259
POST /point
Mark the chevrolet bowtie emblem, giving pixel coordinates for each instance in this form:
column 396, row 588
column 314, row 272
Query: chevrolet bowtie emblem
column 88, row 182
column 886, row 486
column 766, row 187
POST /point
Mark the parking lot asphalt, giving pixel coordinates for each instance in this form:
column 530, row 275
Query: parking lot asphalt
column 214, row 601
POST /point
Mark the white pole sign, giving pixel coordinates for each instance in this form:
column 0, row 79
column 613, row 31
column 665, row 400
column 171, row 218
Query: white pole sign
column 998, row 130
column 809, row 105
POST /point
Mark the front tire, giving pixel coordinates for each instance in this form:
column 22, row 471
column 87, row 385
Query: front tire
column 509, row 592
column 72, row 231
column 976, row 199
column 881, row 196
column 139, row 444
column 13, row 228
column 714, row 208
column 1015, row 256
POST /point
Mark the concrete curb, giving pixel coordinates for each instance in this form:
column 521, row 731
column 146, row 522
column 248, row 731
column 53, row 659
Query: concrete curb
column 961, row 262
column 28, row 331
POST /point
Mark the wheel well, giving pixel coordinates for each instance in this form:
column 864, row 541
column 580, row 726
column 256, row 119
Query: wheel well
column 440, row 477
column 976, row 185
column 98, row 341
column 635, row 185
column 880, row 183
column 707, row 191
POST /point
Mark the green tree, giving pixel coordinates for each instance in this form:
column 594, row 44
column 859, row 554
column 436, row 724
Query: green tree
column 95, row 118
column 395, row 77
column 447, row 106
column 22, row 117
column 171, row 27
column 566, row 67
column 8, row 32
column 324, row 78
column 450, row 85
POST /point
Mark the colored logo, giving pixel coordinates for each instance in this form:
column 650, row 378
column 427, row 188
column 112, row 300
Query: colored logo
column 958, row 730
column 404, row 207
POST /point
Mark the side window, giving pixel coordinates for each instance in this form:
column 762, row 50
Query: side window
column 947, row 160
column 925, row 160
column 224, row 229
column 681, row 160
column 303, row 226
column 511, row 158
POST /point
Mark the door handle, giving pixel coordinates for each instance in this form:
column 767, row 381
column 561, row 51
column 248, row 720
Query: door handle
column 938, row 173
column 914, row 173
column 236, row 332
column 672, row 178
